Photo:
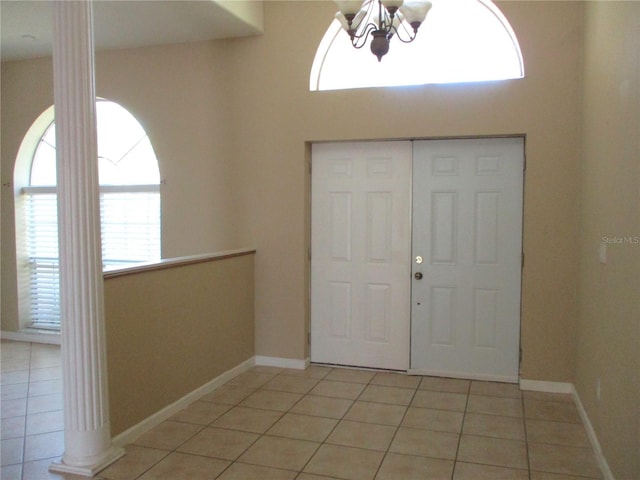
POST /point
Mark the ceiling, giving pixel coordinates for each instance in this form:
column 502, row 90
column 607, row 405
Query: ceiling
column 27, row 26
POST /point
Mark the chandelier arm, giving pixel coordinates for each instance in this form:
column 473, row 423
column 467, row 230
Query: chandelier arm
column 359, row 40
column 399, row 37
column 383, row 17
column 411, row 35
column 370, row 17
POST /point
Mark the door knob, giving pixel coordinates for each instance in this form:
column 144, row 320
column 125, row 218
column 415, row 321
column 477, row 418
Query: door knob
column 418, row 276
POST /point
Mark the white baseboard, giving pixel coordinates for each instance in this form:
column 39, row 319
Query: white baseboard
column 32, row 336
column 282, row 362
column 569, row 388
column 154, row 420
column 131, row 434
column 593, row 438
column 547, row 387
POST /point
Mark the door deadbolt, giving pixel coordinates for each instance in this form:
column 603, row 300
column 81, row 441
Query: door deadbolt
column 418, row 276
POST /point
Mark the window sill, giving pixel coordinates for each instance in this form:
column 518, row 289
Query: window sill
column 33, row 335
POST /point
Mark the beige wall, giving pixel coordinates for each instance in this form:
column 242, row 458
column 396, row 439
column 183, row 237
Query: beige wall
column 608, row 341
column 275, row 114
column 24, row 96
column 171, row 331
column 180, row 95
column 231, row 122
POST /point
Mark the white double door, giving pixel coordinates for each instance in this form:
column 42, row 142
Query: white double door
column 416, row 256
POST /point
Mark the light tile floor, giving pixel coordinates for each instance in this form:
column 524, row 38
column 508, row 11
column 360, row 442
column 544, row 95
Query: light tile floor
column 321, row 423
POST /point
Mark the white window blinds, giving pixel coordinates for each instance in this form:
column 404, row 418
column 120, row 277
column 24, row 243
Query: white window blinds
column 130, row 223
column 129, row 209
column 41, row 225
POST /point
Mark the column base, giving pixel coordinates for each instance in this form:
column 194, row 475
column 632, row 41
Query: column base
column 88, row 470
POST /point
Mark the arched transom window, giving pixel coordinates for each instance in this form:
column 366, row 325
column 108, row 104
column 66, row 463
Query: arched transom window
column 460, row 41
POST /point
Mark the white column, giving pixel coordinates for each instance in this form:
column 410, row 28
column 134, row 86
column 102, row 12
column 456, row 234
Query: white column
column 87, row 441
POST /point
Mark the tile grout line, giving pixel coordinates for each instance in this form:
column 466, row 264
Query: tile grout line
column 172, row 450
column 26, row 414
column 320, row 444
column 353, row 401
column 261, row 435
column 175, row 449
column 359, row 398
column 526, row 437
column 464, row 416
column 415, row 391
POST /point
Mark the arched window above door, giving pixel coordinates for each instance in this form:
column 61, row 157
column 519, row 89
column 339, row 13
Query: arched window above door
column 460, row 41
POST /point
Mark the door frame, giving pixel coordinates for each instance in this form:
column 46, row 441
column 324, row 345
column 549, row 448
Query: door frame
column 309, row 233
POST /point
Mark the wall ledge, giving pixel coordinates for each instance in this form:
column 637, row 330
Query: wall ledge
column 177, row 262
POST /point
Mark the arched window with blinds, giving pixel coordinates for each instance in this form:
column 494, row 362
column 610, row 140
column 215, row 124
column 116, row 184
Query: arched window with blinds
column 129, row 208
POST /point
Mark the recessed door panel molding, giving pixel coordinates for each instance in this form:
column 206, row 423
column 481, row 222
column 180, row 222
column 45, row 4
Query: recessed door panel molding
column 340, row 168
column 445, row 166
column 467, row 221
column 443, row 315
column 378, row 312
column 488, row 165
column 339, row 219
column 340, row 309
column 487, row 227
column 485, row 316
column 361, row 237
column 444, row 230
column 379, row 226
column 379, row 168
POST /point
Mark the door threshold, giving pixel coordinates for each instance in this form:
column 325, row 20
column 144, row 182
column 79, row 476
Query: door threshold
column 355, row 367
column 464, row 376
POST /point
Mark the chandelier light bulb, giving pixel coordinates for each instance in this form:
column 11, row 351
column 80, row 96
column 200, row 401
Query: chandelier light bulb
column 392, row 5
column 343, row 21
column 349, row 7
column 415, row 12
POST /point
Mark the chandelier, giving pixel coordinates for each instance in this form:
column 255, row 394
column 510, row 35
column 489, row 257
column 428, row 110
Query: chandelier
column 382, row 19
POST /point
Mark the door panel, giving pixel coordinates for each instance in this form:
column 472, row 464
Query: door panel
column 467, row 228
column 360, row 289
